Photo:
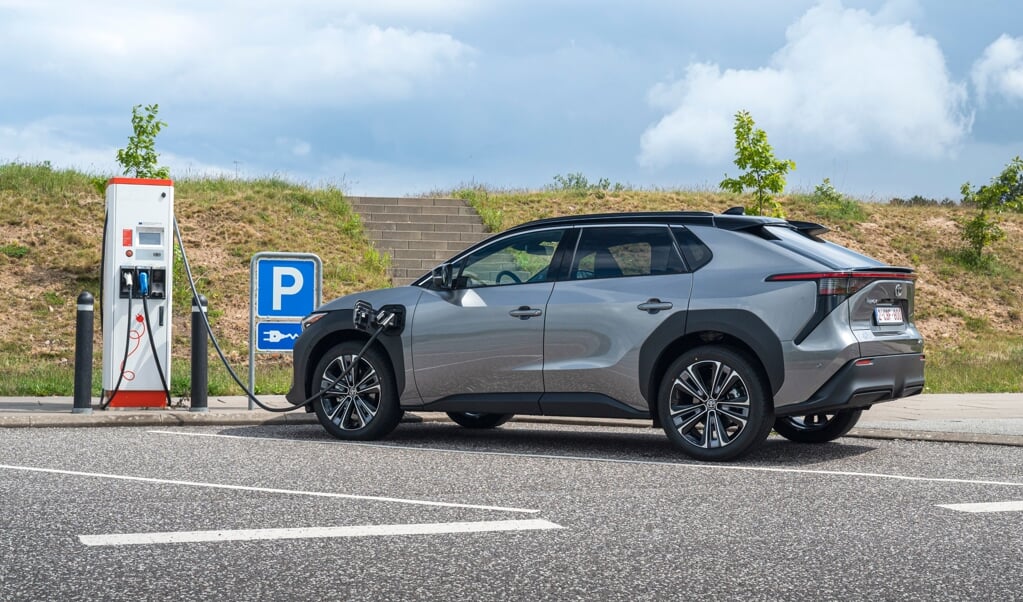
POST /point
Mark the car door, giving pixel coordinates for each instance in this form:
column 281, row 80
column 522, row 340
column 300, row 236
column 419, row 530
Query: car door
column 483, row 338
column 623, row 283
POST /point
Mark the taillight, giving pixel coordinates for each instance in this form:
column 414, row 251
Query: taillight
column 841, row 284
column 833, row 288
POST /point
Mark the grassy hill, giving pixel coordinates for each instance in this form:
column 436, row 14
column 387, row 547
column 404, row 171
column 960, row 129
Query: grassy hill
column 51, row 225
column 51, row 229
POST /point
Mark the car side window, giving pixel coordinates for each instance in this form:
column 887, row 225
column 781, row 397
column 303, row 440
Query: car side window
column 513, row 260
column 606, row 252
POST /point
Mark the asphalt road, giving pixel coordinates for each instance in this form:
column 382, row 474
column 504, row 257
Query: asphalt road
column 597, row 513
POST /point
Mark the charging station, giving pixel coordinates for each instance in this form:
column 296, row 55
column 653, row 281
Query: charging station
column 137, row 269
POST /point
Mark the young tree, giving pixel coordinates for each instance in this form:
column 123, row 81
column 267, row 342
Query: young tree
column 764, row 174
column 139, row 159
column 1005, row 192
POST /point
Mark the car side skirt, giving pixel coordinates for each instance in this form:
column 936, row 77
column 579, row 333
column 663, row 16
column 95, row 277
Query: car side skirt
column 586, row 405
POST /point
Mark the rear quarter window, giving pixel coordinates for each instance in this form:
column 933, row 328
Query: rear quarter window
column 693, row 250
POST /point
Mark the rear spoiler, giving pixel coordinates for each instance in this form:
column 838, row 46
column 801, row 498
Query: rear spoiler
column 809, row 228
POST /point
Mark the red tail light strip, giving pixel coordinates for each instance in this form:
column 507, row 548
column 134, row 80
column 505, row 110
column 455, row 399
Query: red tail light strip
column 821, row 275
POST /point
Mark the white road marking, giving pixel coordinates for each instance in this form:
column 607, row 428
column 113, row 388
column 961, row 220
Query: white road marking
column 986, row 507
column 347, row 496
column 127, row 539
column 708, row 466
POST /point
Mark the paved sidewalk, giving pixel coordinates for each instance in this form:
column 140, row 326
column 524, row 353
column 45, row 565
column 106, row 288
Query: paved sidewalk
column 970, row 418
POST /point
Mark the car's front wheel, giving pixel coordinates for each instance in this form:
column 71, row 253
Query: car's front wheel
column 713, row 404
column 479, row 420
column 817, row 428
column 362, row 404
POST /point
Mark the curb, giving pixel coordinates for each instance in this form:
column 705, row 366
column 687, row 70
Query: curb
column 162, row 419
column 149, row 419
column 914, row 435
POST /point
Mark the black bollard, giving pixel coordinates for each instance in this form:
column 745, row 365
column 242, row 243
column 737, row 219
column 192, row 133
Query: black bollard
column 83, row 354
column 200, row 368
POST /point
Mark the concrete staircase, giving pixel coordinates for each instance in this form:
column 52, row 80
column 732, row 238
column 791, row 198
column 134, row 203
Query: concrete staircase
column 418, row 234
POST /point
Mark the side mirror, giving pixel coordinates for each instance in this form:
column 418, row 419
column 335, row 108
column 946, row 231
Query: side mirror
column 442, row 276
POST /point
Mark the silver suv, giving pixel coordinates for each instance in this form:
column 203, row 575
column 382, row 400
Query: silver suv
column 717, row 327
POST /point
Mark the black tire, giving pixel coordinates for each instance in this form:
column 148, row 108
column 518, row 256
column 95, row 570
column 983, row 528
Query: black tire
column 731, row 420
column 363, row 405
column 479, row 420
column 817, row 428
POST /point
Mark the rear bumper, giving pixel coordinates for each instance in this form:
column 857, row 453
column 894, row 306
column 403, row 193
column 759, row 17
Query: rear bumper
column 860, row 384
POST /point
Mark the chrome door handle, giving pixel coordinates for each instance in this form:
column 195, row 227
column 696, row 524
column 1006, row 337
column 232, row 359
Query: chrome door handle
column 654, row 305
column 525, row 312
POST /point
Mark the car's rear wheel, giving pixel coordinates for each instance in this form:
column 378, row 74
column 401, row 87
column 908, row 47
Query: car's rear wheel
column 479, row 420
column 817, row 428
column 713, row 404
column 361, row 405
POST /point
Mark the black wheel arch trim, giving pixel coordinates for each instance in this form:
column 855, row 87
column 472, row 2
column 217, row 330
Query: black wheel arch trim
column 741, row 325
column 328, row 331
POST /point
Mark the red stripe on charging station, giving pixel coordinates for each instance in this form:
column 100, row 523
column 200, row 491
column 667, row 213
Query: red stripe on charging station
column 140, row 181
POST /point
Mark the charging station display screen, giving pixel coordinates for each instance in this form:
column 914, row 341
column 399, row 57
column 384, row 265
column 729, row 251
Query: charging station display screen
column 150, row 238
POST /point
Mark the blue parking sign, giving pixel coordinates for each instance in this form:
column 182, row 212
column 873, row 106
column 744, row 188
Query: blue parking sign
column 286, row 288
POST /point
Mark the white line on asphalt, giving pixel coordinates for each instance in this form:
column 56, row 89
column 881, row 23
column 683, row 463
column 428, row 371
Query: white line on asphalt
column 842, row 473
column 986, row 507
column 346, row 496
column 127, row 539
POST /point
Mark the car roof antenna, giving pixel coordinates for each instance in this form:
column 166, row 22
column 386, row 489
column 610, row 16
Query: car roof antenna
column 737, row 210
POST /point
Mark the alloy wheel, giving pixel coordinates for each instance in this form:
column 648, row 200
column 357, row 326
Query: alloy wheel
column 709, row 404
column 351, row 403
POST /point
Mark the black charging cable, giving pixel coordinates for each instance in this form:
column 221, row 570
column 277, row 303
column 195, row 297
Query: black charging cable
column 383, row 322
column 156, row 354
column 127, row 344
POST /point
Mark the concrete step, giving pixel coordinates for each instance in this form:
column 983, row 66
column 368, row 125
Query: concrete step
column 405, row 201
column 478, row 229
column 443, row 247
column 429, row 254
column 402, row 276
column 427, row 210
column 439, row 218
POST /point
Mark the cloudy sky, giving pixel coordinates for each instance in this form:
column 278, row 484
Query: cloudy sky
column 886, row 98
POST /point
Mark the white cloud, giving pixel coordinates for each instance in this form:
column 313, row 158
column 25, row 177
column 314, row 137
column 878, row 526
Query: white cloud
column 46, row 140
column 308, row 54
column 52, row 140
column 1000, row 69
column 845, row 81
column 298, row 148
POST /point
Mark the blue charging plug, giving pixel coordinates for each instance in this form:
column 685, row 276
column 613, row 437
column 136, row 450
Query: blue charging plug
column 144, row 283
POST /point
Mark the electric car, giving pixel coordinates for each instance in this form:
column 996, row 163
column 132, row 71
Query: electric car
column 717, row 327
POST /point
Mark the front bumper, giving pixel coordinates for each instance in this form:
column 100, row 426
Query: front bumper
column 862, row 383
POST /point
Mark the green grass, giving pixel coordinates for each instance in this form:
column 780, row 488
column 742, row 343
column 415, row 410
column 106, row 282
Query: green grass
column 478, row 198
column 14, row 251
column 984, row 365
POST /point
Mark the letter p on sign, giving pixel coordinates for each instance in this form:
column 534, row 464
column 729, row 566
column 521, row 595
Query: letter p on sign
column 285, row 286
column 286, row 281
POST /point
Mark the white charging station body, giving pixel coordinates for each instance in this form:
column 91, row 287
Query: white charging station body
column 138, row 266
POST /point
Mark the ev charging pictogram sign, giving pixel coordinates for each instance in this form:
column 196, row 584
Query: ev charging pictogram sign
column 286, row 287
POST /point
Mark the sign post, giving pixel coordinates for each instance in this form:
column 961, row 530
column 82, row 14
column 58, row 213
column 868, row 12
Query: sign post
column 285, row 287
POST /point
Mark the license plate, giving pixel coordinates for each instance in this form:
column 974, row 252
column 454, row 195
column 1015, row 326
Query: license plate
column 888, row 315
